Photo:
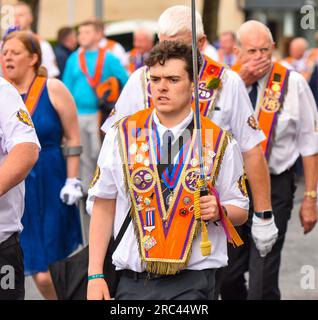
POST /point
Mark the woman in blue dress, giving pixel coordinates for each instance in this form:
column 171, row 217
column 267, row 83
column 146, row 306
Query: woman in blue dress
column 51, row 220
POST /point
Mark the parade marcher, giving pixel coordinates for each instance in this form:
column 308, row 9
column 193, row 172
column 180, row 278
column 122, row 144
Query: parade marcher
column 113, row 46
column 226, row 102
column 23, row 20
column 157, row 185
column 19, row 149
column 226, row 51
column 51, row 220
column 143, row 43
column 86, row 68
column 66, row 44
column 300, row 59
column 286, row 112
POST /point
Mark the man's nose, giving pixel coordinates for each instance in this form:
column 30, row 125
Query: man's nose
column 163, row 85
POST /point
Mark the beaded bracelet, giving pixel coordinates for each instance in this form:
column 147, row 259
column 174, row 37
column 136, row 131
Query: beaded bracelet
column 96, row 276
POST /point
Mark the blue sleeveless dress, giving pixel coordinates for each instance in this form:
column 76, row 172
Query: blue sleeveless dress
column 51, row 228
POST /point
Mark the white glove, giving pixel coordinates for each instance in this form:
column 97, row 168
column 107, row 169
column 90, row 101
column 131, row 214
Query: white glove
column 72, row 191
column 264, row 233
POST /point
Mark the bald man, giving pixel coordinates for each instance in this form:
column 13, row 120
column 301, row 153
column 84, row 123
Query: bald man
column 300, row 58
column 143, row 43
column 286, row 111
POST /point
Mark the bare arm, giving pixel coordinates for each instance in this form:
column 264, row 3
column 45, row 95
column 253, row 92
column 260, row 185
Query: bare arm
column 64, row 104
column 308, row 209
column 17, row 165
column 258, row 178
column 237, row 216
column 100, row 232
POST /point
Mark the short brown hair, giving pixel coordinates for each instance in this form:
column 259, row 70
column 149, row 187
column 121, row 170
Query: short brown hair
column 63, row 33
column 96, row 23
column 167, row 50
column 32, row 45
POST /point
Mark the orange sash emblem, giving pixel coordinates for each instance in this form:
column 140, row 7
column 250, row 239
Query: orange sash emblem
column 165, row 236
column 270, row 103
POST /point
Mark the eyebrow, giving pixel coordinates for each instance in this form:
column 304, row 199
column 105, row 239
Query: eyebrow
column 167, row 77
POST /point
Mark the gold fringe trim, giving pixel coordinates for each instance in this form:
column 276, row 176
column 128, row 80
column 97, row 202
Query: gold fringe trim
column 226, row 138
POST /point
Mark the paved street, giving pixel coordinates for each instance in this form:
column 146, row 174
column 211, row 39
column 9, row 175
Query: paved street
column 300, row 250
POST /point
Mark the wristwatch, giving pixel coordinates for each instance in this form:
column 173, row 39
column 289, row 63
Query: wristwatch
column 312, row 194
column 266, row 214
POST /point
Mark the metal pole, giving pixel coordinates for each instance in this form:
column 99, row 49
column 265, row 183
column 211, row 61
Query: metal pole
column 196, row 87
column 99, row 9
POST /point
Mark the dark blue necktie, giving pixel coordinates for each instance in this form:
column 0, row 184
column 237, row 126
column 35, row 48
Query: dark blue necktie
column 166, row 162
column 167, row 139
column 253, row 94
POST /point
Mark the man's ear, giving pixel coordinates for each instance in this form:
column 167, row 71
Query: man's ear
column 236, row 50
column 202, row 42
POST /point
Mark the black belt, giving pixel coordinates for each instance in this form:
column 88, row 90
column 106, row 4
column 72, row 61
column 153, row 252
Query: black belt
column 146, row 275
column 12, row 240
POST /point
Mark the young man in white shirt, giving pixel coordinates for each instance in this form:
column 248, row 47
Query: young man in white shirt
column 227, row 105
column 160, row 253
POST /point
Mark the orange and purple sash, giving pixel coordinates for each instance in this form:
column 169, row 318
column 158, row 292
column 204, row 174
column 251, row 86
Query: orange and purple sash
column 210, row 70
column 270, row 103
column 165, row 236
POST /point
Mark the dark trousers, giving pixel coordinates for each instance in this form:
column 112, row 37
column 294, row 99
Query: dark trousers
column 186, row 285
column 11, row 270
column 263, row 272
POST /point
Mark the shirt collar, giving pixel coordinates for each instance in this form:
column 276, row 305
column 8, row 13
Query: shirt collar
column 176, row 130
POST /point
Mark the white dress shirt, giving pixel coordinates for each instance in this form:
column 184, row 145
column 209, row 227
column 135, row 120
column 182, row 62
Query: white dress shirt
column 12, row 132
column 233, row 107
column 296, row 131
column 48, row 59
column 110, row 185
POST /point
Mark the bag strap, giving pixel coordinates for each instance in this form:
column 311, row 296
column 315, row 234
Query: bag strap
column 122, row 231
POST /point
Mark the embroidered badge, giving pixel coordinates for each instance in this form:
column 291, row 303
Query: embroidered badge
column 190, row 180
column 241, row 183
column 252, row 122
column 25, row 118
column 95, row 178
column 143, row 180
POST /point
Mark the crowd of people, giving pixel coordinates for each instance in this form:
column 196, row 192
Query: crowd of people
column 87, row 121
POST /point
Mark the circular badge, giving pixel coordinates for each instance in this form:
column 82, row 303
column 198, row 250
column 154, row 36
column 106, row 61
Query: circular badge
column 143, row 179
column 148, row 177
column 144, row 147
column 190, row 180
column 133, row 149
column 187, row 200
column 194, row 162
column 276, row 87
column 139, row 158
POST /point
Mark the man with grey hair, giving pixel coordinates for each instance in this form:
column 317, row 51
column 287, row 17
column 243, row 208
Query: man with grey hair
column 224, row 100
column 286, row 112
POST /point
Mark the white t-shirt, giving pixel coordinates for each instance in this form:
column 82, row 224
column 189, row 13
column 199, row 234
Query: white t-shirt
column 12, row 132
column 48, row 59
column 110, row 185
column 296, row 131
